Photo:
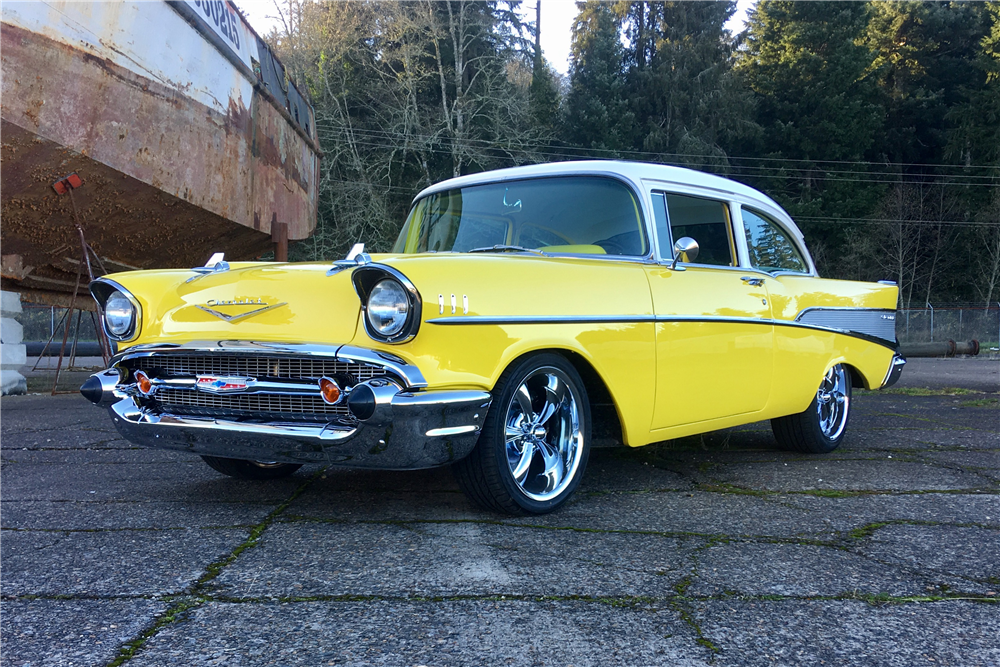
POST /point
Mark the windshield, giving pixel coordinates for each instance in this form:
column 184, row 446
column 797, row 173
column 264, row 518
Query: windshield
column 572, row 214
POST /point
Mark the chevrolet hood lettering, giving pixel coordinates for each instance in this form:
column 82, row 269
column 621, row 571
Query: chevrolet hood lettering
column 236, row 302
column 211, row 305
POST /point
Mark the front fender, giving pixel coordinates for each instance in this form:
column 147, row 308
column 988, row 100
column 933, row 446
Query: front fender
column 599, row 309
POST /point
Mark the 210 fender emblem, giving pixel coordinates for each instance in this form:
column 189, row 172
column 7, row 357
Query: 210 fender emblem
column 237, row 302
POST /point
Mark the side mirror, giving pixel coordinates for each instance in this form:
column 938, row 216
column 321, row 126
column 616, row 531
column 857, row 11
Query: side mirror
column 685, row 250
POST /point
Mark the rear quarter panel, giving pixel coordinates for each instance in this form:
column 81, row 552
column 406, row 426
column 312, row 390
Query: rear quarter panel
column 802, row 355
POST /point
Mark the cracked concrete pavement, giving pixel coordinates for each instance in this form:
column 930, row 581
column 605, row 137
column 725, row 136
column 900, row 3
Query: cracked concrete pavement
column 713, row 550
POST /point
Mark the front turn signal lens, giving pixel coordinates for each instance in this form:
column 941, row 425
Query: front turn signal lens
column 144, row 384
column 330, row 391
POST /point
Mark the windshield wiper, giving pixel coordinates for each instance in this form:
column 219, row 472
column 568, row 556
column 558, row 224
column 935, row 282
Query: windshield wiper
column 509, row 248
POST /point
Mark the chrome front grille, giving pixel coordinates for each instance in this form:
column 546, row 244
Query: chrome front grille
column 187, row 401
column 298, row 368
column 268, row 406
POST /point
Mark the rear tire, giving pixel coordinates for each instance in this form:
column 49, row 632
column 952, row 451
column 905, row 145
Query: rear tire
column 257, row 470
column 820, row 427
column 535, row 441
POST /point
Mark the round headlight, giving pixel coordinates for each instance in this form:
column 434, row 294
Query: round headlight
column 119, row 314
column 388, row 307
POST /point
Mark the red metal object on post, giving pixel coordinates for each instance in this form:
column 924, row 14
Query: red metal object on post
column 67, row 183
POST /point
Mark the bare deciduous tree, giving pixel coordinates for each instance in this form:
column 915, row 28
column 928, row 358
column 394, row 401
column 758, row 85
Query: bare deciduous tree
column 986, row 259
column 406, row 94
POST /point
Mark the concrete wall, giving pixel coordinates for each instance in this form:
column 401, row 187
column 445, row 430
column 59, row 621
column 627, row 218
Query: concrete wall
column 12, row 351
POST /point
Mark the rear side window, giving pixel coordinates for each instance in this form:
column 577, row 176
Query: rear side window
column 704, row 220
column 769, row 246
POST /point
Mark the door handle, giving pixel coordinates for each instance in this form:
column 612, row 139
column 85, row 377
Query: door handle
column 756, row 282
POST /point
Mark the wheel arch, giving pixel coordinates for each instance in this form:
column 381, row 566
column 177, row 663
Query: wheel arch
column 604, row 410
column 859, row 380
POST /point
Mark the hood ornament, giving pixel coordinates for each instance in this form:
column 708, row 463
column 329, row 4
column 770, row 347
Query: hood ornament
column 236, row 317
column 215, row 264
column 357, row 257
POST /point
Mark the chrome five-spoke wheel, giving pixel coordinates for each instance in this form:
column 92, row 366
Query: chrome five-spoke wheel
column 833, row 401
column 535, row 440
column 542, row 437
column 820, row 428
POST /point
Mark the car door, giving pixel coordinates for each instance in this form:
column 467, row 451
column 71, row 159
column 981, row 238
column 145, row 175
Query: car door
column 714, row 337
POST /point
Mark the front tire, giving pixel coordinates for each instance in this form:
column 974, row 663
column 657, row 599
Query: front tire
column 535, row 440
column 256, row 470
column 820, row 428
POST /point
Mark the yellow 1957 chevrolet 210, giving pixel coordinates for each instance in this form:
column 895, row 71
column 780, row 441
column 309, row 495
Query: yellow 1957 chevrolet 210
column 515, row 306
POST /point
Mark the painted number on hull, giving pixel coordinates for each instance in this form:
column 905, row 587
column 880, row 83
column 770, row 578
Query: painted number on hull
column 219, row 15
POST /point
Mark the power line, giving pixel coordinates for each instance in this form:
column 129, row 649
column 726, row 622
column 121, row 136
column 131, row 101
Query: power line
column 891, row 221
column 614, row 153
column 707, row 161
column 889, row 179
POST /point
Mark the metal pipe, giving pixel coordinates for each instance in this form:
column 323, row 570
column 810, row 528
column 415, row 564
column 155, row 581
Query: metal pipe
column 83, row 349
column 947, row 348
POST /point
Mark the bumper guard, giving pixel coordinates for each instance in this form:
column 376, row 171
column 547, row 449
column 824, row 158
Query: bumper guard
column 895, row 370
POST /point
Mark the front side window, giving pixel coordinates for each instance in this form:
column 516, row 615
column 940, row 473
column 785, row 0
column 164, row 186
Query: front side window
column 769, row 246
column 704, row 220
column 571, row 214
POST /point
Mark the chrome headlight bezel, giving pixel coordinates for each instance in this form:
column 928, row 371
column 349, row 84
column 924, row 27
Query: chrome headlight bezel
column 366, row 279
column 103, row 290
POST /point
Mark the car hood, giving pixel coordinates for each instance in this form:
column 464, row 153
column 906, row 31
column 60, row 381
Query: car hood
column 273, row 302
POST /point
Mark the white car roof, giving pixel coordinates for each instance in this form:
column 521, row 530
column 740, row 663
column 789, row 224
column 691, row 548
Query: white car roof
column 635, row 172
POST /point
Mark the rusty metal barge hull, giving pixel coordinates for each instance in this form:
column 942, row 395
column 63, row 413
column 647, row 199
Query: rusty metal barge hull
column 187, row 135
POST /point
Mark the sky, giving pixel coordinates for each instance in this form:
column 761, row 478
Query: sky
column 557, row 23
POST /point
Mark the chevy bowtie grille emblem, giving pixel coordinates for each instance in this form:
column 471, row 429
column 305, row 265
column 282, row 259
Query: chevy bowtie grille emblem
column 222, row 385
column 212, row 304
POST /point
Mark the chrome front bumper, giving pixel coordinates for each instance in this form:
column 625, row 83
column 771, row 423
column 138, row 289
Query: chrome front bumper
column 427, row 429
column 392, row 423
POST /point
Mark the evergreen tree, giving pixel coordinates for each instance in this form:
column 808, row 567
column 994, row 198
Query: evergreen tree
column 975, row 141
column 816, row 90
column 975, row 136
column 924, row 60
column 544, row 95
column 597, row 111
column 680, row 81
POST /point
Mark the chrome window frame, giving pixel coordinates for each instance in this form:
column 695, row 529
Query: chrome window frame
column 810, row 266
column 697, row 193
column 735, row 202
column 638, row 192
